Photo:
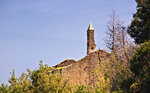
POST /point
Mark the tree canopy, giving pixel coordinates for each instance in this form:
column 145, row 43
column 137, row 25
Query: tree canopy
column 140, row 25
column 42, row 80
column 140, row 66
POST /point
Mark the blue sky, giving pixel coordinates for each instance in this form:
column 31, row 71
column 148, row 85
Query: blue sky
column 52, row 30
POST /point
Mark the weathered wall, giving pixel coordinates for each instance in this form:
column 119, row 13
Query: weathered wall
column 90, row 41
column 82, row 71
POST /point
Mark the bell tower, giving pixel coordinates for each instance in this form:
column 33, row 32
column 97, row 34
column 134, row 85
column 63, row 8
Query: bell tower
column 90, row 40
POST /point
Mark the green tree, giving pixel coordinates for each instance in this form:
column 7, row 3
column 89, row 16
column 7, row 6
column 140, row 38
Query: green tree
column 140, row 25
column 3, row 88
column 22, row 84
column 140, row 66
column 82, row 89
column 43, row 80
column 110, row 73
column 46, row 80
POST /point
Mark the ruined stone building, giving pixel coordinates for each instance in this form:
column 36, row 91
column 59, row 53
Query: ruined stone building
column 90, row 40
column 81, row 71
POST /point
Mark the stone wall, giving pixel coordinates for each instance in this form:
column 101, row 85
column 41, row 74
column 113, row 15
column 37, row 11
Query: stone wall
column 90, row 41
column 82, row 71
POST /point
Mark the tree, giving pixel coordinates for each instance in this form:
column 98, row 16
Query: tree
column 140, row 66
column 122, row 48
column 110, row 73
column 117, row 39
column 140, row 25
column 46, row 81
column 113, row 26
column 82, row 89
column 42, row 80
column 3, row 88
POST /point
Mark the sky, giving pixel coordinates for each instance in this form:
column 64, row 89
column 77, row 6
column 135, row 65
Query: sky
column 52, row 30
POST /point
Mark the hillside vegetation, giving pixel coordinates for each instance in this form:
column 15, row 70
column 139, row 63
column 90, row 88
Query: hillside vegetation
column 126, row 69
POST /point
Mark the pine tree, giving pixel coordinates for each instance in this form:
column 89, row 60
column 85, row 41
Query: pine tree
column 140, row 66
column 140, row 25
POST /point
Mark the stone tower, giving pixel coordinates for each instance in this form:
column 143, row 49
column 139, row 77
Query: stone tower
column 90, row 40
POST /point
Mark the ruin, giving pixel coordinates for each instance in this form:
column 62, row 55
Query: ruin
column 81, row 72
column 90, row 40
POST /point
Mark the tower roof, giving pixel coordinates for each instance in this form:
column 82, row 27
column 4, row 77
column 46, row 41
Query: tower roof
column 90, row 27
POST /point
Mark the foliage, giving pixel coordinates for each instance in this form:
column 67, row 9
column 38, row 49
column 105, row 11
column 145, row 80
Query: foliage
column 119, row 71
column 111, row 73
column 21, row 84
column 3, row 88
column 117, row 67
column 46, row 80
column 103, row 83
column 140, row 66
column 82, row 89
column 140, row 25
column 42, row 80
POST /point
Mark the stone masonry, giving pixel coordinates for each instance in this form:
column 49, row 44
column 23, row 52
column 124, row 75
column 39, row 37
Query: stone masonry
column 90, row 40
column 81, row 72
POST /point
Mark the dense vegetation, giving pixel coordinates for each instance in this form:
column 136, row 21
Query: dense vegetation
column 140, row 62
column 140, row 26
column 37, row 81
column 140, row 66
column 47, row 80
column 127, row 70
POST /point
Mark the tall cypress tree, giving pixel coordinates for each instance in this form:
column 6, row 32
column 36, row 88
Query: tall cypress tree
column 140, row 25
